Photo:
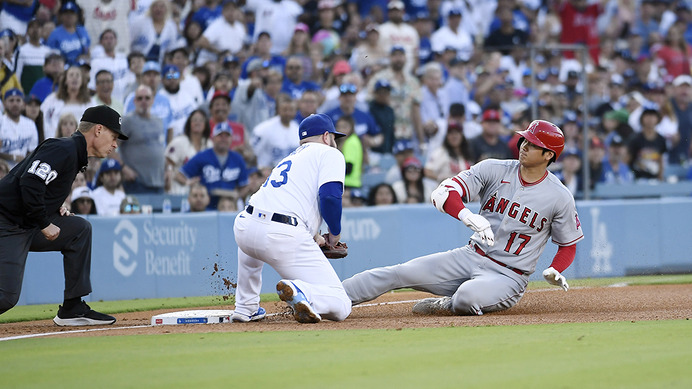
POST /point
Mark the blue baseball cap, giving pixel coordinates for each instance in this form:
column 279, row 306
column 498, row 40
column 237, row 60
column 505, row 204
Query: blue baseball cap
column 222, row 127
column 383, row 84
column 151, row 66
column 171, row 72
column 69, row 6
column 13, row 92
column 402, row 145
column 317, row 124
column 109, row 164
column 7, row 32
column 396, row 48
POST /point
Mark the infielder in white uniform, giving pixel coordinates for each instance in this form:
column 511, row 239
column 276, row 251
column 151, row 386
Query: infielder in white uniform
column 522, row 205
column 280, row 227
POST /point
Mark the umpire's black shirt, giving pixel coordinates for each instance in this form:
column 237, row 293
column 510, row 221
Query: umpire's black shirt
column 36, row 188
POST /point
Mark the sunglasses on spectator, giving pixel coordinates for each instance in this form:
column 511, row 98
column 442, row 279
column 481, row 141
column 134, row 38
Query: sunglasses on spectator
column 348, row 88
column 172, row 76
column 129, row 208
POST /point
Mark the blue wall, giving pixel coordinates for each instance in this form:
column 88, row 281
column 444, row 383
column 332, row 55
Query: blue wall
column 148, row 256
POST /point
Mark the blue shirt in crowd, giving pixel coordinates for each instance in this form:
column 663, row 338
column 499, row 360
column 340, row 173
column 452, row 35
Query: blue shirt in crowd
column 205, row 164
column 70, row 44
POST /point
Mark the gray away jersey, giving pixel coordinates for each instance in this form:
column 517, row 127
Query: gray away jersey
column 522, row 215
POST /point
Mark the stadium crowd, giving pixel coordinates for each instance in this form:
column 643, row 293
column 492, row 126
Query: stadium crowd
column 211, row 92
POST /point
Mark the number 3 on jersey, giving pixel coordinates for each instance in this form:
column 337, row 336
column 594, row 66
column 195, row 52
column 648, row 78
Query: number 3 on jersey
column 283, row 174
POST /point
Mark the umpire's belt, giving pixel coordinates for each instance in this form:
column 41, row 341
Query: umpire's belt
column 481, row 252
column 276, row 217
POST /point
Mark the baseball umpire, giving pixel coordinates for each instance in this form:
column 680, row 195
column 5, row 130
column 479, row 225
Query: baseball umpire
column 522, row 206
column 32, row 217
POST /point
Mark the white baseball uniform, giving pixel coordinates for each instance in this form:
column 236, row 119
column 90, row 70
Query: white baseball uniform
column 478, row 277
column 278, row 228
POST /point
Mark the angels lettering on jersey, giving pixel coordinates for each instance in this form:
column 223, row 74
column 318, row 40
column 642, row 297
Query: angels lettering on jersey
column 516, row 211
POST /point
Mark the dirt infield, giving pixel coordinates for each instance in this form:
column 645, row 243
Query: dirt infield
column 634, row 303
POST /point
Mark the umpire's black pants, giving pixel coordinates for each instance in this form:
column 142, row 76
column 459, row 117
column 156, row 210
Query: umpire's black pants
column 74, row 242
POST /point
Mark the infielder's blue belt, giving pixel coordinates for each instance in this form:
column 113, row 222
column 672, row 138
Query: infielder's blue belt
column 277, row 217
column 479, row 251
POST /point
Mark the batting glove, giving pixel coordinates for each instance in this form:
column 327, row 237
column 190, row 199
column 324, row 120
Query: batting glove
column 555, row 278
column 479, row 224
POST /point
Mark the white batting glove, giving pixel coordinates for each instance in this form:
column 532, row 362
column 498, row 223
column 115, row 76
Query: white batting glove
column 479, row 224
column 555, row 278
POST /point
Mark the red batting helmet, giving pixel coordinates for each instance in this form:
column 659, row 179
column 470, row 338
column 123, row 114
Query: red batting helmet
column 544, row 134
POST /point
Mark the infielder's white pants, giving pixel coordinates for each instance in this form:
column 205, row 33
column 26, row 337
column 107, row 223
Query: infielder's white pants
column 293, row 253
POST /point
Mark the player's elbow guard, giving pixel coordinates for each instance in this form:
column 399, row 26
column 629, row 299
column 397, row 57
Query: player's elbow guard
column 439, row 197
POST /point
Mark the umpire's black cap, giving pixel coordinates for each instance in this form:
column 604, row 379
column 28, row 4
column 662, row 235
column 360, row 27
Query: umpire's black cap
column 104, row 115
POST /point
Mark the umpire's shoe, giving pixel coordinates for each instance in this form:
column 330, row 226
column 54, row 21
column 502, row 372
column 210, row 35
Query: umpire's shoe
column 434, row 306
column 243, row 318
column 81, row 315
column 302, row 310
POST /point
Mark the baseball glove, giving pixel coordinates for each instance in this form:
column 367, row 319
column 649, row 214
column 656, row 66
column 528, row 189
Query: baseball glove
column 340, row 250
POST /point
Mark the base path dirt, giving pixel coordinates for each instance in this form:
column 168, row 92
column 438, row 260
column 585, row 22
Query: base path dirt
column 633, row 303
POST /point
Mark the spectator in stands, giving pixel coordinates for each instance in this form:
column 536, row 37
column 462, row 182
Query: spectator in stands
column 597, row 154
column 278, row 18
column 32, row 110
column 154, row 32
column 570, row 173
column 205, row 13
column 263, row 53
column 18, row 136
column 294, row 84
column 8, row 80
column 365, row 127
column 382, row 194
column 130, row 205
column 413, row 186
column 72, row 97
column 142, row 156
column 453, row 156
column 108, row 193
column 646, row 148
column 182, row 103
column 307, row 105
column 368, row 55
column 674, row 54
column 396, row 32
column 616, row 96
column 352, row 149
column 330, row 88
column 16, row 15
column 434, row 107
column 198, row 198
column 453, row 35
column 224, row 34
column 615, row 169
column 227, row 204
column 67, row 125
column 220, row 108
column 507, row 35
column 218, row 168
column 299, row 45
column 458, row 85
column 82, row 202
column 402, row 150
column 53, row 66
column 489, row 144
column 115, row 62
column 383, row 114
column 255, row 99
column 71, row 39
column 133, row 77
column 682, row 106
column 107, row 15
column 195, row 138
column 405, row 96
column 276, row 137
column 222, row 83
column 104, row 89
column 161, row 108
column 31, row 57
column 180, row 57
column 578, row 19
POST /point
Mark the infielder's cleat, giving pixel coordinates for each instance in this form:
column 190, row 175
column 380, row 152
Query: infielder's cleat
column 81, row 315
column 434, row 306
column 302, row 310
column 243, row 318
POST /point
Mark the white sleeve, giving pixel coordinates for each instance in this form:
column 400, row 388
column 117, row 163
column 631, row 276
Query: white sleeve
column 332, row 167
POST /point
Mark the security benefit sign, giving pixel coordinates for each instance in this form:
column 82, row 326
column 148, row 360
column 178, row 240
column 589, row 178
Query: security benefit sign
column 160, row 255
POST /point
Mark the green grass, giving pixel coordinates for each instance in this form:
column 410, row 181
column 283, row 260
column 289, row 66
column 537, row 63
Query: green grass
column 650, row 354
column 48, row 311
